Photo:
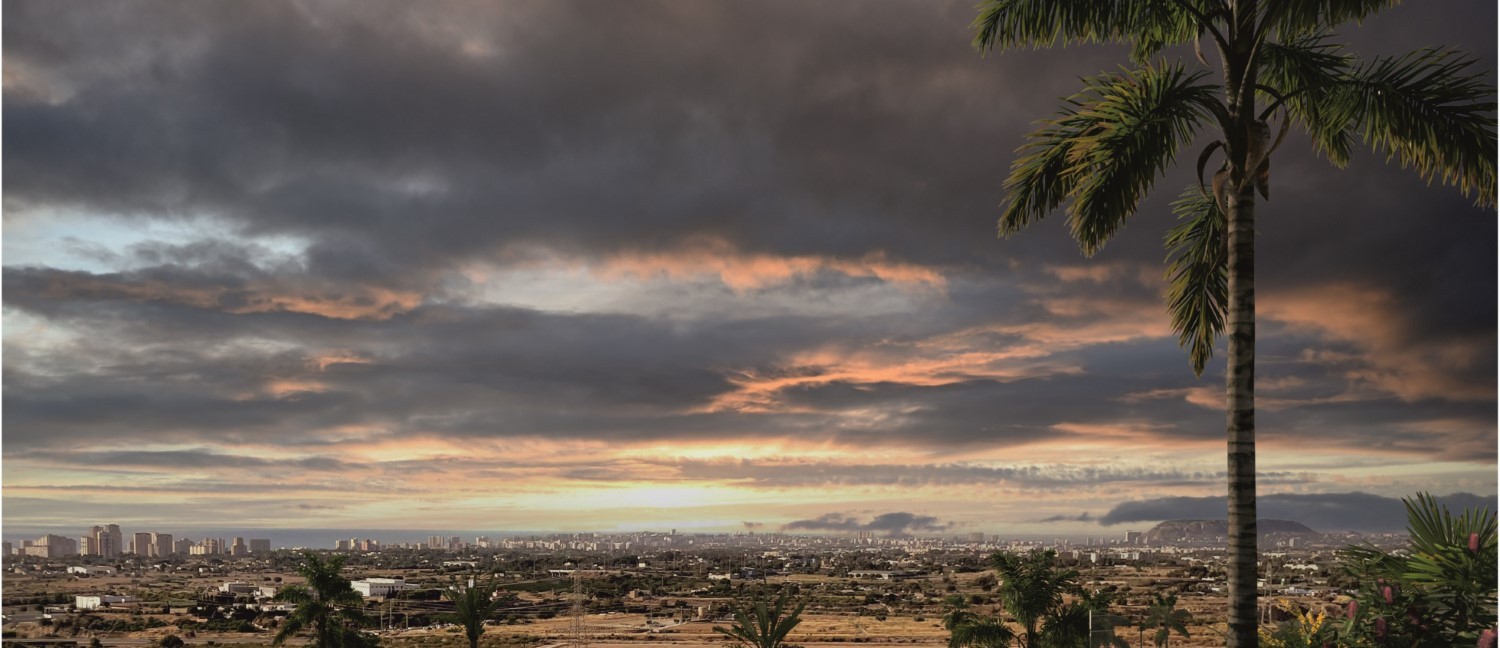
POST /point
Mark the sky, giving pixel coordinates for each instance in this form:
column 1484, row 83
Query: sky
column 711, row 266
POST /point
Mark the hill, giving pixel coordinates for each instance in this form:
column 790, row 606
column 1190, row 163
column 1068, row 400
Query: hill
column 1210, row 529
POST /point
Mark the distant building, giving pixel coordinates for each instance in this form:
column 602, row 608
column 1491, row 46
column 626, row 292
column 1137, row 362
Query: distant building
column 1134, row 537
column 238, row 587
column 183, row 546
column 341, row 545
column 51, row 546
column 96, row 602
column 239, row 548
column 379, row 586
column 141, row 544
column 163, row 544
column 260, row 545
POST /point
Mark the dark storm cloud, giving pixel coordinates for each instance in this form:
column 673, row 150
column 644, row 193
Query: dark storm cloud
column 399, row 147
column 894, row 524
column 1323, row 512
column 826, row 474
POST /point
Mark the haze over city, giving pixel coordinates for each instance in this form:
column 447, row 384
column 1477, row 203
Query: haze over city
column 715, row 267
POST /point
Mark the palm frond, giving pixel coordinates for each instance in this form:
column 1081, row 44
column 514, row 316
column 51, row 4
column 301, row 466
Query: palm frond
column 1105, row 152
column 1198, row 275
column 1426, row 109
column 1290, row 18
column 982, row 632
column 1303, row 69
column 1149, row 24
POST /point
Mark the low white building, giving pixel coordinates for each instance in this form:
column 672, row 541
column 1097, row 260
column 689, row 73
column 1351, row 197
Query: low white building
column 92, row 570
column 380, row 586
column 96, row 602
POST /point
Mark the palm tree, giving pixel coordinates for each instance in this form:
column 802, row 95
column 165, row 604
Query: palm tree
column 326, row 604
column 472, row 606
column 1031, row 588
column 1085, row 621
column 958, row 612
column 1113, row 139
column 761, row 624
column 1163, row 617
column 977, row 631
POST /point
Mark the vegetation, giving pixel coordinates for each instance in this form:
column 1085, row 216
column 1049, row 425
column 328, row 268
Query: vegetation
column 1440, row 593
column 1104, row 152
column 472, row 606
column 760, row 624
column 328, row 604
column 1031, row 588
column 1163, row 618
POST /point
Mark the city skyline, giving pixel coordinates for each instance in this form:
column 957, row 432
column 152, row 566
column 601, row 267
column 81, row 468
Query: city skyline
column 711, row 267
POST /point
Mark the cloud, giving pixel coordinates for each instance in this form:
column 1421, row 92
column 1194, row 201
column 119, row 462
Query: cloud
column 893, row 524
column 1081, row 517
column 1323, row 512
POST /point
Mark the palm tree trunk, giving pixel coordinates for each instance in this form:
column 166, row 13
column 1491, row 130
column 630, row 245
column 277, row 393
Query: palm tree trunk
column 1240, row 393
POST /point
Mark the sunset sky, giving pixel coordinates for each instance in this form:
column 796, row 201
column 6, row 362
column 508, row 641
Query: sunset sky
column 711, row 266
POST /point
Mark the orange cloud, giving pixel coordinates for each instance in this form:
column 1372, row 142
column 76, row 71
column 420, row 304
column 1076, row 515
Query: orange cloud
column 1392, row 362
column 337, row 302
column 745, row 271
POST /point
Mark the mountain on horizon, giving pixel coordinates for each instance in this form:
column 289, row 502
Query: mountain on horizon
column 1208, row 529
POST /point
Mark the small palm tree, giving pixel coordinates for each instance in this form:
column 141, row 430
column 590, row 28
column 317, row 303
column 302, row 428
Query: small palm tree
column 327, row 604
column 1163, row 617
column 761, row 624
column 1085, row 621
column 1031, row 588
column 472, row 606
column 958, row 612
column 976, row 631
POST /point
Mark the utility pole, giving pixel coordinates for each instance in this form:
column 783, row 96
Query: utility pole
column 576, row 628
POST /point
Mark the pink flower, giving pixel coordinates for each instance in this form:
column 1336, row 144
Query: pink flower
column 1487, row 639
column 1380, row 628
column 1387, row 594
column 1353, row 608
column 1473, row 543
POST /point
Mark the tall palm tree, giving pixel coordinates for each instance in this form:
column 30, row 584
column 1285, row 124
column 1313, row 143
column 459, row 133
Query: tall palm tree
column 1163, row 618
column 472, row 606
column 759, row 623
column 1113, row 139
column 326, row 604
column 1031, row 587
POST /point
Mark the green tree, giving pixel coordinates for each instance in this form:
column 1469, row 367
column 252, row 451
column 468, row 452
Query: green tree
column 958, row 612
column 328, row 604
column 759, row 623
column 1163, row 618
column 1031, row 588
column 473, row 604
column 1102, row 154
column 1085, row 621
column 1442, row 592
column 979, row 631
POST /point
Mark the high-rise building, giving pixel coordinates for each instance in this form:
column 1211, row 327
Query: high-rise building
column 86, row 546
column 52, row 546
column 141, row 544
column 260, row 545
column 163, row 544
column 437, row 542
column 239, row 548
column 183, row 546
column 341, row 545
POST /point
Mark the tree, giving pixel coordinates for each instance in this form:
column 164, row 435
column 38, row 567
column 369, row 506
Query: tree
column 170, row 641
column 760, row 624
column 1163, row 618
column 1031, row 588
column 472, row 606
column 978, row 631
column 958, row 612
column 1085, row 621
column 1113, row 139
column 328, row 604
column 1441, row 593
